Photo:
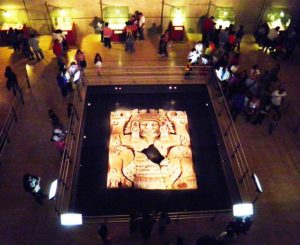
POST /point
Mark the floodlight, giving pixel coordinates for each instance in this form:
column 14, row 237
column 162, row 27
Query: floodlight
column 222, row 73
column 242, row 209
column 53, row 188
column 257, row 183
column 71, row 219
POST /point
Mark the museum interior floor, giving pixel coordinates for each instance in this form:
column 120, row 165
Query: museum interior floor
column 275, row 158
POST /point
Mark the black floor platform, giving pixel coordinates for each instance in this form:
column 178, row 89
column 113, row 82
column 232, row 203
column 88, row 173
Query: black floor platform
column 90, row 195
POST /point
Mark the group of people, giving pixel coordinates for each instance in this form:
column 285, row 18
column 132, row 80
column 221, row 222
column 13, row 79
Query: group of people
column 27, row 42
column 279, row 43
column 134, row 28
column 225, row 37
column 70, row 78
column 254, row 94
column 58, row 133
column 140, row 223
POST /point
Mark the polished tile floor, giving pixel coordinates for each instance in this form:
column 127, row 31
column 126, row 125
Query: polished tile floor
column 275, row 158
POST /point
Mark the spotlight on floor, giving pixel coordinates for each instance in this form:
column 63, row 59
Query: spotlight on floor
column 71, row 219
column 242, row 209
column 170, row 87
column 89, row 104
column 53, row 189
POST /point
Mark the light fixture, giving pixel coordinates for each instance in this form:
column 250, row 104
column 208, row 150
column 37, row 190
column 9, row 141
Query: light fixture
column 63, row 13
column 257, row 183
column 281, row 14
column 53, row 188
column 6, row 13
column 71, row 219
column 242, row 209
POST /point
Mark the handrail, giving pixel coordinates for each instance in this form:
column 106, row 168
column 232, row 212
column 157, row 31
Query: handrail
column 11, row 117
column 66, row 162
column 175, row 216
column 235, row 148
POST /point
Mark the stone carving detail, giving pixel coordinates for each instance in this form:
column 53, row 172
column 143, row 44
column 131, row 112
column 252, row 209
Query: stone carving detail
column 150, row 149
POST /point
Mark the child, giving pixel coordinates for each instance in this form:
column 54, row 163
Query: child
column 98, row 63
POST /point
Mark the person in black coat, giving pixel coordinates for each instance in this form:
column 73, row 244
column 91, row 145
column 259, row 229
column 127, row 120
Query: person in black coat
column 12, row 81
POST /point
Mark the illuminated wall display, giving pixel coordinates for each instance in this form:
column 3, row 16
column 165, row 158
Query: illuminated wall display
column 116, row 16
column 12, row 18
column 224, row 16
column 62, row 18
column 150, row 149
column 278, row 17
column 178, row 16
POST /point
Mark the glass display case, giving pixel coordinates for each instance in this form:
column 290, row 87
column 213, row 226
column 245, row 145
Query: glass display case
column 62, row 20
column 178, row 19
column 224, row 16
column 116, row 16
column 278, row 17
column 10, row 19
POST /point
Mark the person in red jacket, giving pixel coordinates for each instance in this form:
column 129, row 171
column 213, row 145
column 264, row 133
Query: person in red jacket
column 208, row 26
column 57, row 50
column 231, row 41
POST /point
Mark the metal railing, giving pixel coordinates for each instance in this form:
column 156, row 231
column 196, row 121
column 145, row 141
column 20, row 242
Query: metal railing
column 67, row 166
column 10, row 119
column 200, row 74
column 144, row 75
column 239, row 162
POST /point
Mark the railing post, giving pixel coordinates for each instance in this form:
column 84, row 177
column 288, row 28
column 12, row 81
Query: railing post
column 27, row 77
column 14, row 114
column 235, row 150
column 228, row 127
column 21, row 96
column 220, row 111
column 243, row 176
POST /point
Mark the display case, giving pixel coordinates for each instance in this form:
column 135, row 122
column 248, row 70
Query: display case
column 178, row 18
column 116, row 16
column 4, row 36
column 11, row 19
column 62, row 20
column 278, row 17
column 224, row 16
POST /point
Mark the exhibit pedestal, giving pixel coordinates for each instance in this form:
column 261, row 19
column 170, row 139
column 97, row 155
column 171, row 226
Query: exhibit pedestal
column 69, row 31
column 177, row 33
column 4, row 36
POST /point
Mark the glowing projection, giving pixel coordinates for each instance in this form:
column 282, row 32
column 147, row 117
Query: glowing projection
column 150, row 149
